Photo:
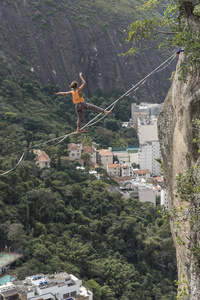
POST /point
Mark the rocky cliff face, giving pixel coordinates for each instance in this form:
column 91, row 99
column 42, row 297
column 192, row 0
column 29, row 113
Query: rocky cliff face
column 181, row 106
column 55, row 40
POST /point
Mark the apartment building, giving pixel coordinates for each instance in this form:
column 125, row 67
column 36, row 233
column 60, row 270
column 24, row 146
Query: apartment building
column 75, row 151
column 113, row 169
column 147, row 130
column 46, row 287
column 147, row 155
column 104, row 157
column 147, row 193
column 126, row 170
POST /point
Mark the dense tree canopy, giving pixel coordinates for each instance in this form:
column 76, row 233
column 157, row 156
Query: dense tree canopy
column 68, row 222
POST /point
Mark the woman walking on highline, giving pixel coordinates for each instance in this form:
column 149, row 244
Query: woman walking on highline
column 79, row 101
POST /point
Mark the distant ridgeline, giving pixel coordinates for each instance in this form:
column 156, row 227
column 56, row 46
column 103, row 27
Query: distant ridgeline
column 54, row 40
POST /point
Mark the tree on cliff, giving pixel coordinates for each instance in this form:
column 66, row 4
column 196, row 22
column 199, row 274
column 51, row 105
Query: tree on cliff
column 172, row 30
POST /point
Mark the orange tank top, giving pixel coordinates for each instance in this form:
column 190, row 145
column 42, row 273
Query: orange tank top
column 76, row 97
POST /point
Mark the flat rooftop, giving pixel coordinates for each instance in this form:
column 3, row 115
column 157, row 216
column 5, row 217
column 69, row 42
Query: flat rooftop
column 8, row 258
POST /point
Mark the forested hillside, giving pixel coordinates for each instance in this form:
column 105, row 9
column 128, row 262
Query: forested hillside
column 55, row 40
column 66, row 221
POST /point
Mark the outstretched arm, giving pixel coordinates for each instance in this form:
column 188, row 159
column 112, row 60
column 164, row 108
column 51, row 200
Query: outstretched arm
column 64, row 93
column 83, row 82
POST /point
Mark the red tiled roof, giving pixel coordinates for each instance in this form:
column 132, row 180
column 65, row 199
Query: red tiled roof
column 104, row 152
column 117, row 179
column 146, row 171
column 121, row 179
column 42, row 156
column 113, row 165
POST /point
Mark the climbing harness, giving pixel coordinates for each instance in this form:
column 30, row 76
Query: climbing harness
column 110, row 107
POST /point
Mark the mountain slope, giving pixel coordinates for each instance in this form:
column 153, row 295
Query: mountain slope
column 54, row 40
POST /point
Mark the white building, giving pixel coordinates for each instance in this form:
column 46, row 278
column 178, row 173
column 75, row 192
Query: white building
column 149, row 145
column 163, row 198
column 147, row 130
column 46, row 287
column 147, row 155
column 126, row 170
column 146, row 191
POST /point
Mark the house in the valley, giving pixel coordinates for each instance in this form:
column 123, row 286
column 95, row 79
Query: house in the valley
column 42, row 159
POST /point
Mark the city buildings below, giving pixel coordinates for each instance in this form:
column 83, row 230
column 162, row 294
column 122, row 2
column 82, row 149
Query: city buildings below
column 42, row 159
column 57, row 286
column 142, row 187
column 145, row 118
column 137, row 189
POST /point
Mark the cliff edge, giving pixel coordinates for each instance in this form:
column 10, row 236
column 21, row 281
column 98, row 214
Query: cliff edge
column 179, row 153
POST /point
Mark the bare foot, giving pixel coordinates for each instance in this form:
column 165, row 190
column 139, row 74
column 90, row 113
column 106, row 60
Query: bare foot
column 106, row 112
column 78, row 129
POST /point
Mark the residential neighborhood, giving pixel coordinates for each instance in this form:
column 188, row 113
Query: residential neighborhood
column 46, row 287
column 135, row 165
